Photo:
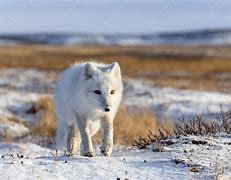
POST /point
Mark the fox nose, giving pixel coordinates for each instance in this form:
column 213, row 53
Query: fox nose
column 107, row 109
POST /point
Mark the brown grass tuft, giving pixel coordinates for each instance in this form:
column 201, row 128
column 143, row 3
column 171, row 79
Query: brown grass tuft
column 219, row 171
column 47, row 125
column 131, row 124
column 128, row 124
column 8, row 136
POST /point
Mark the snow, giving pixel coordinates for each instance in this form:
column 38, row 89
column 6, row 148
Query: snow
column 42, row 163
column 26, row 80
column 10, row 129
column 16, row 102
column 171, row 103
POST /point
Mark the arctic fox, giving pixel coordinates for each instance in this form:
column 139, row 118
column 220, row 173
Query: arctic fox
column 87, row 97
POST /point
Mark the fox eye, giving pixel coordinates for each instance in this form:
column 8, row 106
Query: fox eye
column 112, row 91
column 97, row 92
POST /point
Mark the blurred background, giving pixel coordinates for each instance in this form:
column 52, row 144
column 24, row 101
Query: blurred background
column 115, row 22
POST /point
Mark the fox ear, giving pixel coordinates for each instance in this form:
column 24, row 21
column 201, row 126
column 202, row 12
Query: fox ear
column 115, row 69
column 89, row 71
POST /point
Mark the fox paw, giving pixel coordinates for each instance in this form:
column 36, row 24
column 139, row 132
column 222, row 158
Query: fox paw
column 89, row 154
column 106, row 151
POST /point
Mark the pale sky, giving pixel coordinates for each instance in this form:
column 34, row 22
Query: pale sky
column 113, row 16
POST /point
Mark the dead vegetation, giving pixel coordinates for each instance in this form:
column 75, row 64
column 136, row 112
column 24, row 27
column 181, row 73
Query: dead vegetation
column 151, row 138
column 164, row 65
column 200, row 125
column 7, row 135
column 128, row 124
column 138, row 127
column 197, row 125
column 219, row 171
column 132, row 59
column 47, row 123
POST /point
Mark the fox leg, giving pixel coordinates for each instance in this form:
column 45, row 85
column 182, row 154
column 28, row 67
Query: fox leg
column 86, row 142
column 72, row 140
column 61, row 135
column 107, row 143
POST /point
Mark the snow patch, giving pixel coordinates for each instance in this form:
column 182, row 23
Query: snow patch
column 9, row 129
column 171, row 103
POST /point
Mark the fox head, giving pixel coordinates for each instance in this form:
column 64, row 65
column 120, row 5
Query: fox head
column 103, row 86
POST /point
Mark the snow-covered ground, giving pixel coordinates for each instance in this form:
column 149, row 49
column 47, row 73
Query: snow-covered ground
column 19, row 88
column 172, row 103
column 177, row 161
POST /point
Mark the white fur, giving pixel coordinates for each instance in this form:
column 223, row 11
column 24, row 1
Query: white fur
column 81, row 112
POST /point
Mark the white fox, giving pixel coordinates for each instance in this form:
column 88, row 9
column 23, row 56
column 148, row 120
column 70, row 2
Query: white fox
column 87, row 97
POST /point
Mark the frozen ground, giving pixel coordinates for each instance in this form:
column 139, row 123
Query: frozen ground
column 170, row 103
column 20, row 87
column 177, row 161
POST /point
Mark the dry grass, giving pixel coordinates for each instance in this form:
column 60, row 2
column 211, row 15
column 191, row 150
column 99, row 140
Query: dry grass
column 128, row 125
column 197, row 125
column 219, row 172
column 132, row 59
column 131, row 125
column 6, row 136
column 200, row 125
column 135, row 61
column 47, row 125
